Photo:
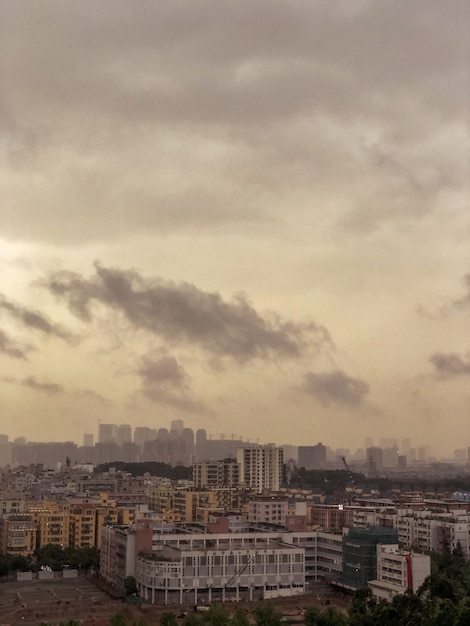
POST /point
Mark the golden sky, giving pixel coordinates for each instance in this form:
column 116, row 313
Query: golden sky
column 253, row 216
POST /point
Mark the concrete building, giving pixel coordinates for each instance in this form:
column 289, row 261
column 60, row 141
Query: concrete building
column 17, row 535
column 216, row 474
column 261, row 467
column 268, row 510
column 312, row 457
column 360, row 554
column 107, row 433
column 319, row 557
column 399, row 571
column 228, row 569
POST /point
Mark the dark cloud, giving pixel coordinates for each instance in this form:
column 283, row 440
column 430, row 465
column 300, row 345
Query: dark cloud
column 32, row 383
column 10, row 348
column 164, row 371
column 335, row 387
column 450, row 364
column 102, row 100
column 165, row 381
column 180, row 312
column 33, row 319
column 464, row 301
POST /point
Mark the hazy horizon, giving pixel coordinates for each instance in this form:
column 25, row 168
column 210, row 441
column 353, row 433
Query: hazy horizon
column 250, row 216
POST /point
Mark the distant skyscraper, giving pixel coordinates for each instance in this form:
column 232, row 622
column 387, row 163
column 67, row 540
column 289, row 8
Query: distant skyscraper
column 88, row 440
column 312, row 457
column 375, row 460
column 177, row 426
column 187, row 435
column 107, row 433
column 124, row 434
column 143, row 434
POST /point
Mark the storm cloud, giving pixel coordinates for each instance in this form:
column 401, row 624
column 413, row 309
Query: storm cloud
column 450, row 364
column 11, row 348
column 165, row 381
column 335, row 387
column 180, row 312
column 32, row 383
column 33, row 319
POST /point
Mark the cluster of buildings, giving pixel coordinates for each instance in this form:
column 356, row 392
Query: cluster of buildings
column 234, row 531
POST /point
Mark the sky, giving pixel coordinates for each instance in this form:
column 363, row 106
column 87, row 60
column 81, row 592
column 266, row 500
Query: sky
column 253, row 216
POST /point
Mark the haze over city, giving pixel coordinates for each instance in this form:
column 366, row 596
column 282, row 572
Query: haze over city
column 250, row 216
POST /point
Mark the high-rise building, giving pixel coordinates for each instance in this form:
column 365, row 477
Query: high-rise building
column 88, row 440
column 312, row 457
column 143, row 434
column 107, row 433
column 216, row 474
column 123, row 434
column 261, row 466
column 375, row 460
column 177, row 426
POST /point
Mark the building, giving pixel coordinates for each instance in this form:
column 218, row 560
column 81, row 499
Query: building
column 399, row 571
column 230, row 569
column 360, row 554
column 268, row 510
column 216, row 474
column 107, row 433
column 17, row 535
column 261, row 467
column 312, row 457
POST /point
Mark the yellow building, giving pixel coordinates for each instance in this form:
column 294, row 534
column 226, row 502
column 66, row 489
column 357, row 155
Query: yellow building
column 18, row 535
column 52, row 523
column 83, row 526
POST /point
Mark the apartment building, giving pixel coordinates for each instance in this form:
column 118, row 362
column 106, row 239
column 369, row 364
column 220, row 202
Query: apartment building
column 261, row 467
column 17, row 535
column 268, row 510
column 83, row 526
column 52, row 523
column 208, row 474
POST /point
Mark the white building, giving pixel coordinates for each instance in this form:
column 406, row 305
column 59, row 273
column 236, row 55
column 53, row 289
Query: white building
column 191, row 563
column 268, row 510
column 232, row 570
column 261, row 466
column 398, row 571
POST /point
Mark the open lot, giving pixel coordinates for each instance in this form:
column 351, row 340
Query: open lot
column 54, row 601
column 59, row 600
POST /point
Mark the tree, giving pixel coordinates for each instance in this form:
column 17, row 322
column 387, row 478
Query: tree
column 239, row 618
column 117, row 619
column 329, row 617
column 168, row 619
column 267, row 615
column 130, row 586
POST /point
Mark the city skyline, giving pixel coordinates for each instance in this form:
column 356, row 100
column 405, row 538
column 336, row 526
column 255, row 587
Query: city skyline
column 252, row 217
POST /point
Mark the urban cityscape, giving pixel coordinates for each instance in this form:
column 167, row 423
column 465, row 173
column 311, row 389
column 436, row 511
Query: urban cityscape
column 234, row 313
column 239, row 521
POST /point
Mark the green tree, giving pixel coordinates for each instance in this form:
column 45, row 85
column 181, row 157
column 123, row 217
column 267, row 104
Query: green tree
column 267, row 615
column 239, row 618
column 329, row 617
column 168, row 619
column 117, row 619
column 130, row 586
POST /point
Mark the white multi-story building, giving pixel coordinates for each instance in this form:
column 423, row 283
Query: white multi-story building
column 268, row 510
column 245, row 563
column 399, row 571
column 261, row 467
column 231, row 570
